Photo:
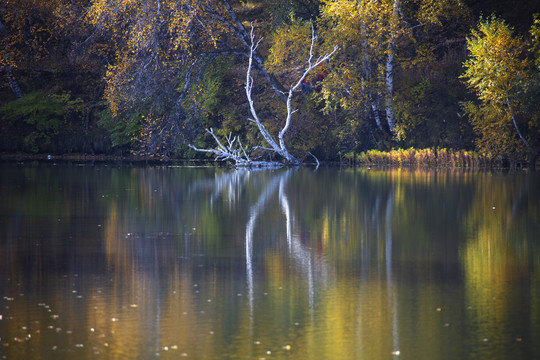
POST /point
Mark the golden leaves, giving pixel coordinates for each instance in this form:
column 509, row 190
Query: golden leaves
column 496, row 64
column 290, row 46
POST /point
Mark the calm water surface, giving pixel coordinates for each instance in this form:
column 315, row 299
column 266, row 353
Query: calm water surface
column 120, row 262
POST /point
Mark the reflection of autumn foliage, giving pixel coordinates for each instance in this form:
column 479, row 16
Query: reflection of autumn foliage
column 496, row 258
column 158, row 257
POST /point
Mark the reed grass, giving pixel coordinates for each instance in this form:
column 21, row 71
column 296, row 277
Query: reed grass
column 441, row 157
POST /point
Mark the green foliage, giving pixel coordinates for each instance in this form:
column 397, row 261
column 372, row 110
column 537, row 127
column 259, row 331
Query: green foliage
column 41, row 116
column 121, row 132
column 280, row 11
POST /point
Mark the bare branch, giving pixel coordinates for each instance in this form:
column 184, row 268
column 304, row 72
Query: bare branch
column 238, row 153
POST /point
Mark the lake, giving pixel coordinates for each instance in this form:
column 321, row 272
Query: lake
column 111, row 261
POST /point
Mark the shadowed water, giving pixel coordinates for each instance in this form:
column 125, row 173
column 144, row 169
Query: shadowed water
column 122, row 262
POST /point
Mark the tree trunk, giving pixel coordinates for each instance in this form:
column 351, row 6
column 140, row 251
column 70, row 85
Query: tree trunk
column 390, row 66
column 13, row 83
column 244, row 37
column 366, row 64
column 532, row 152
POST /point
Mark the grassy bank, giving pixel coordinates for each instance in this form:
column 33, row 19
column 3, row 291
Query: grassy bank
column 425, row 157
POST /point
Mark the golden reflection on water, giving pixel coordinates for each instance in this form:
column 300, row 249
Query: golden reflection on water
column 207, row 265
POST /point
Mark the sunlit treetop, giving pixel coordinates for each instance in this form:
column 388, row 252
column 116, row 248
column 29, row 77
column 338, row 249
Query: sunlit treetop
column 497, row 63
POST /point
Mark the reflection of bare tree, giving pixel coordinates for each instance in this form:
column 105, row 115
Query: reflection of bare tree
column 312, row 265
column 230, row 183
column 254, row 213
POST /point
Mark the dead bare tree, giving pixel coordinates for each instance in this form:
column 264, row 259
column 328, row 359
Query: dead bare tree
column 234, row 151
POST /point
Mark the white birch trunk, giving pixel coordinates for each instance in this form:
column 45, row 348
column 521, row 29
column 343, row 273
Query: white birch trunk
column 367, row 67
column 240, row 156
column 396, row 9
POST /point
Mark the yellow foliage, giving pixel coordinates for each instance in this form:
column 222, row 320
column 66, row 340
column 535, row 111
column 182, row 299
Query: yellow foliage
column 290, row 46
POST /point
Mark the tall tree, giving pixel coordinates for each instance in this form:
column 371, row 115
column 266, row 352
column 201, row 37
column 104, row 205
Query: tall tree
column 162, row 51
column 497, row 71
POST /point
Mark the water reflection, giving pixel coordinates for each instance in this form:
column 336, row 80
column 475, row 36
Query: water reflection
column 127, row 262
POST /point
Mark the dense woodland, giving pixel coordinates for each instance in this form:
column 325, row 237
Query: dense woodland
column 168, row 78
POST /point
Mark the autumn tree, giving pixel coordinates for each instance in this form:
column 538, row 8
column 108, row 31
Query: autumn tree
column 25, row 32
column 498, row 70
column 234, row 150
column 162, row 50
column 381, row 43
column 366, row 32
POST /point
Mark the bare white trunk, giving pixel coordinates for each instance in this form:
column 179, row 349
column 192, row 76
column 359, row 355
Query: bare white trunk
column 366, row 64
column 390, row 66
column 310, row 66
column 390, row 90
column 240, row 156
column 376, row 115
